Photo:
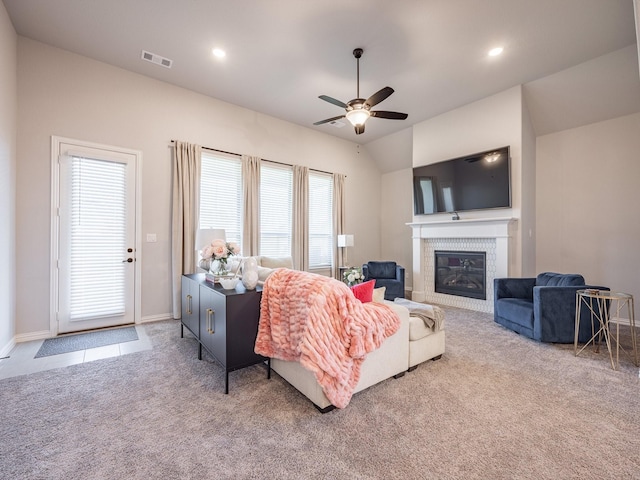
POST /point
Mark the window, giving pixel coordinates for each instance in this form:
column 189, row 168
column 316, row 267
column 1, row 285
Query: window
column 276, row 193
column 320, row 220
column 221, row 194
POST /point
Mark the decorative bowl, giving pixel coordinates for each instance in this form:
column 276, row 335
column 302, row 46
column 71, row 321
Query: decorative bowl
column 229, row 283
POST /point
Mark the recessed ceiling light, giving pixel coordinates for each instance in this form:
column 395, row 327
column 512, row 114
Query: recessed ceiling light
column 494, row 52
column 218, row 52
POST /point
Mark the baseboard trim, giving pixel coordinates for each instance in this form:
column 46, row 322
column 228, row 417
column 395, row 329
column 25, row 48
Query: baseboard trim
column 156, row 318
column 7, row 348
column 27, row 337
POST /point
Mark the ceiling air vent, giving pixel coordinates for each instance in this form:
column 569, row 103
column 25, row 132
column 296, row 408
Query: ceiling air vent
column 157, row 59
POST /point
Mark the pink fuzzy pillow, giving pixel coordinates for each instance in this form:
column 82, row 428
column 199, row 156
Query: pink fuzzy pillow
column 364, row 291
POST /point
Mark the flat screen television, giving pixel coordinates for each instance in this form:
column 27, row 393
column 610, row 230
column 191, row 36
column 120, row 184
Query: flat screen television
column 474, row 182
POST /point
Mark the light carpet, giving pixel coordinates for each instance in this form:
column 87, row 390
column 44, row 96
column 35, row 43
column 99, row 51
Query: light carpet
column 496, row 406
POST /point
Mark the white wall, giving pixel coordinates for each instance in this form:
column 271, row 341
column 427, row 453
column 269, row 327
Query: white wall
column 492, row 122
column 528, row 195
column 396, row 211
column 64, row 94
column 8, row 118
column 587, row 203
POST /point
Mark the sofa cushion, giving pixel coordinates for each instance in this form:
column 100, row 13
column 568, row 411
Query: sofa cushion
column 276, row 262
column 418, row 329
column 382, row 269
column 550, row 279
column 518, row 310
column 364, row 291
column 378, row 294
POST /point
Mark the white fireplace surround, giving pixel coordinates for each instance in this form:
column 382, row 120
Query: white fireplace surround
column 490, row 235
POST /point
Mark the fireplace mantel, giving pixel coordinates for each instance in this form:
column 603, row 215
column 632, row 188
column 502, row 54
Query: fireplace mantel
column 475, row 234
column 468, row 228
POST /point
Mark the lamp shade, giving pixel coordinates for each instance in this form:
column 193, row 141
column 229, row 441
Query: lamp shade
column 205, row 236
column 345, row 240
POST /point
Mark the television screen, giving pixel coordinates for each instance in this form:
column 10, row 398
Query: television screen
column 474, row 182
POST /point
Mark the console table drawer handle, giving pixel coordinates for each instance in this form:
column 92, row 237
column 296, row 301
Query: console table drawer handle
column 210, row 313
column 189, row 310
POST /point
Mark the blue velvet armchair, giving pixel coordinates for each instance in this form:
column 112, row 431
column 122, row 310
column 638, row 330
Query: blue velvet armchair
column 542, row 308
column 386, row 274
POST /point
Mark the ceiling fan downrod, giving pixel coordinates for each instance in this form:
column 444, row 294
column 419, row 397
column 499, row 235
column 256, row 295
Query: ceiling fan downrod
column 357, row 53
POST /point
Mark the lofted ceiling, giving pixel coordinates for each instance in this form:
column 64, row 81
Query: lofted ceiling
column 283, row 54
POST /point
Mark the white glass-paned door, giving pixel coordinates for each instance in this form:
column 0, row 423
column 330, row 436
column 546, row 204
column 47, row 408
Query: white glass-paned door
column 98, row 238
column 97, row 235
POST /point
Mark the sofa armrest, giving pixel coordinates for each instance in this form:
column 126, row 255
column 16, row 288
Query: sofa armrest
column 400, row 273
column 554, row 309
column 513, row 288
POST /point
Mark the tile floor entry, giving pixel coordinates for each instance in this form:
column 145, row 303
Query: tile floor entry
column 21, row 361
column 84, row 341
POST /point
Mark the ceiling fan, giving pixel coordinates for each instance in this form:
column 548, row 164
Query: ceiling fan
column 358, row 110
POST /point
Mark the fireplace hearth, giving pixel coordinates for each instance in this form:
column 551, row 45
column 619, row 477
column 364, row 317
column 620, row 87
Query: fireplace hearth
column 461, row 273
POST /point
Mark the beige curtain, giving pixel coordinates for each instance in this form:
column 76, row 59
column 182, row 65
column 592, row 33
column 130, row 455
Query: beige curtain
column 338, row 219
column 300, row 223
column 251, row 213
column 184, row 216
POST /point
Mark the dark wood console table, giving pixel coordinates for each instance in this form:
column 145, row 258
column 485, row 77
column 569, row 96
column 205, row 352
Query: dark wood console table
column 225, row 322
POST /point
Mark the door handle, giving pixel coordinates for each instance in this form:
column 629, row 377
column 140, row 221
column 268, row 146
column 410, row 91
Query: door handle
column 128, row 260
column 210, row 325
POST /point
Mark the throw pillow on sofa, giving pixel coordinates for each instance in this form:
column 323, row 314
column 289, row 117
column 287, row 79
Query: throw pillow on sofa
column 364, row 291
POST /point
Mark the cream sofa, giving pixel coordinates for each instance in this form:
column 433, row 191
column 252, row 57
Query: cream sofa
column 266, row 265
column 411, row 345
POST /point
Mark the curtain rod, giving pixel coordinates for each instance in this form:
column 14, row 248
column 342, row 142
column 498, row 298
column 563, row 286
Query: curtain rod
column 265, row 159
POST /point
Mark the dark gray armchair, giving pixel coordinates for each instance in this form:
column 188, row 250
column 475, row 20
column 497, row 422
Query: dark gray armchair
column 542, row 308
column 386, row 274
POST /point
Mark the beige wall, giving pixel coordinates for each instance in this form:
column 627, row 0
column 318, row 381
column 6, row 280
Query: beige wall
column 528, row 187
column 396, row 211
column 72, row 96
column 587, row 203
column 8, row 116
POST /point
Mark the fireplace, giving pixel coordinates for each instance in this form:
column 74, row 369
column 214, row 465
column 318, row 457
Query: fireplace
column 461, row 273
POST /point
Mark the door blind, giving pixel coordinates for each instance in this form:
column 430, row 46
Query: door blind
column 97, row 238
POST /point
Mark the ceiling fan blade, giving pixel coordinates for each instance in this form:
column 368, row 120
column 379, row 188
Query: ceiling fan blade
column 327, row 120
column 359, row 129
column 377, row 97
column 390, row 115
column 333, row 100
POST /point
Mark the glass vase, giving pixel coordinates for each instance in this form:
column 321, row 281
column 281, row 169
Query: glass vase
column 219, row 267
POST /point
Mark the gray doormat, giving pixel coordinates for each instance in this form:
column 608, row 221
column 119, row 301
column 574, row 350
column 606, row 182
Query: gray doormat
column 82, row 341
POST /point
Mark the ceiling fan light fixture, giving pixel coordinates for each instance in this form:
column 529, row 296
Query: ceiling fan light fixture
column 358, row 116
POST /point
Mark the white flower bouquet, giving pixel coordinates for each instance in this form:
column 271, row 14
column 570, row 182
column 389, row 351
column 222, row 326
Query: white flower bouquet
column 353, row 276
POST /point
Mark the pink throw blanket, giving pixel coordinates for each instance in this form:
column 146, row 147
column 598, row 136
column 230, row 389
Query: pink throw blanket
column 317, row 321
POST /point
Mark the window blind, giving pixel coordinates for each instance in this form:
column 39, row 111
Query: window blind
column 276, row 196
column 221, row 194
column 320, row 220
